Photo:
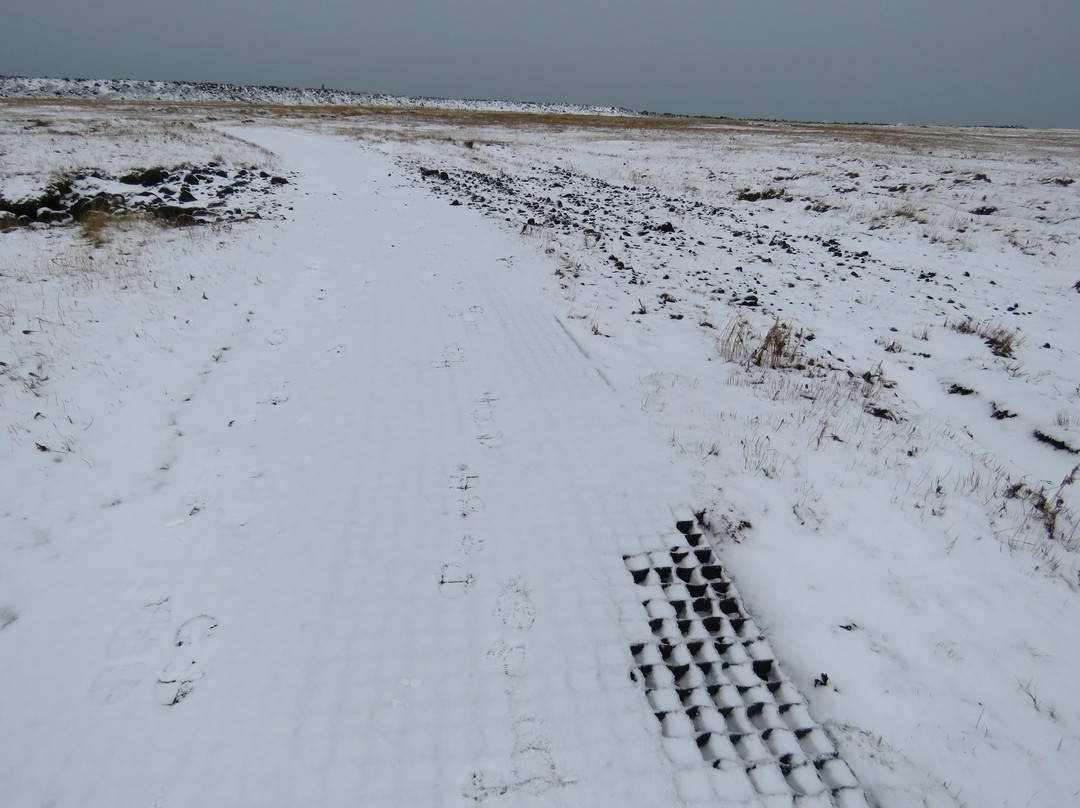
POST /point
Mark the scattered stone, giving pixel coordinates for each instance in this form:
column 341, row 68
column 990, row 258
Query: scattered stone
column 77, row 196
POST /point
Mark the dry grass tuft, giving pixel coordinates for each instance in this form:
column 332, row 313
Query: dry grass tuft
column 746, row 195
column 903, row 210
column 1002, row 341
column 781, row 347
column 1048, row 508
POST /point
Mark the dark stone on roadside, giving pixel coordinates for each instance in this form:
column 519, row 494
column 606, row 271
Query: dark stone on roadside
column 154, row 176
column 178, row 215
column 186, row 195
column 100, row 203
column 50, row 216
column 1000, row 413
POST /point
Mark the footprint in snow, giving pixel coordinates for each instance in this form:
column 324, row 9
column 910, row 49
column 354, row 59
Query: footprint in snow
column 179, row 678
column 117, row 681
column 480, row 787
column 141, row 630
column 127, row 648
column 471, row 316
column 455, row 581
column 534, row 771
column 507, row 657
column 469, row 506
column 483, row 416
column 514, row 607
column 452, row 354
column 463, row 479
column 471, row 544
column 279, row 336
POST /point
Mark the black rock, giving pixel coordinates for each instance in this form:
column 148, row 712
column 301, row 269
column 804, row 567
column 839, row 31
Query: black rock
column 153, row 176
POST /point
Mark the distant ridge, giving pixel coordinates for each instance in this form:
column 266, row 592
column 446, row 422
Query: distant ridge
column 137, row 90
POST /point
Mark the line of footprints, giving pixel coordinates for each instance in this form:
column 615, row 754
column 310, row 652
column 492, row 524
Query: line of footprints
column 716, row 688
column 531, row 767
column 513, row 608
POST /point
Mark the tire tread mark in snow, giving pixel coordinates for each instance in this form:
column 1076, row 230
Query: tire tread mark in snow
column 584, row 353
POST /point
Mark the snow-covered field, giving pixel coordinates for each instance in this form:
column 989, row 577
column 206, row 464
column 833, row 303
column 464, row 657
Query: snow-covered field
column 185, row 91
column 369, row 495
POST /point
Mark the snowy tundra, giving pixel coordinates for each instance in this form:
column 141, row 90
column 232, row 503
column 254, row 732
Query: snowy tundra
column 416, row 457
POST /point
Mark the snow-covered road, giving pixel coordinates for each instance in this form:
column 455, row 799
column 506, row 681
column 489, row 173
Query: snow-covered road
column 436, row 592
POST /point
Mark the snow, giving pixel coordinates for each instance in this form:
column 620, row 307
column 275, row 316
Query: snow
column 346, row 506
column 185, row 91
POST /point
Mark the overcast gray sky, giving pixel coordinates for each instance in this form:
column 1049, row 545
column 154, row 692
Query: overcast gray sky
column 917, row 61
